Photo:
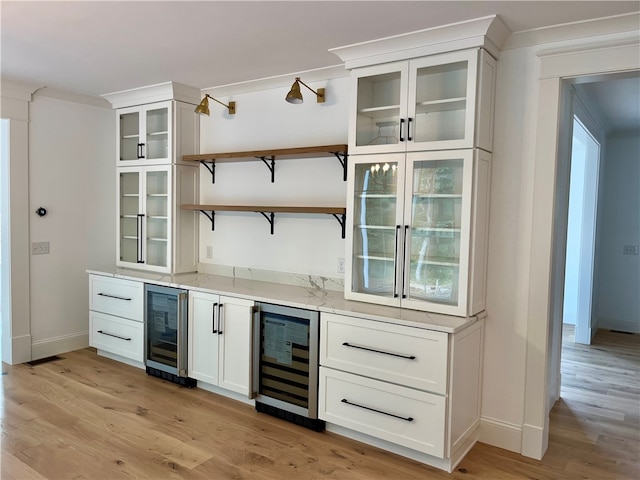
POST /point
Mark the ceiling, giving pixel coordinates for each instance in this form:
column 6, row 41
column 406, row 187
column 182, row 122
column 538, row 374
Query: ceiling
column 95, row 47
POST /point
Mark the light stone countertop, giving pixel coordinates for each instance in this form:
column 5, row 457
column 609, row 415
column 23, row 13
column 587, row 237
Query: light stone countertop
column 312, row 297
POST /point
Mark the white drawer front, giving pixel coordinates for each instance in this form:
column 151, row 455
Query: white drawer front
column 399, row 415
column 407, row 356
column 117, row 335
column 115, row 296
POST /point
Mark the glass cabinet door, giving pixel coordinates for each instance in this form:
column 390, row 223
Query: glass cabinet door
column 442, row 99
column 157, row 217
column 437, row 213
column 130, row 220
column 157, row 133
column 377, row 210
column 380, row 109
column 129, row 135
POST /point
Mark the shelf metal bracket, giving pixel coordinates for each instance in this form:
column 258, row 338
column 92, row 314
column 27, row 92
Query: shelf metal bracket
column 211, row 215
column 269, row 218
column 271, row 165
column 211, row 166
column 342, row 221
column 342, row 158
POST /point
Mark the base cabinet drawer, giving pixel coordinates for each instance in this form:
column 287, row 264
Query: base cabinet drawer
column 116, row 296
column 408, row 356
column 117, row 335
column 397, row 414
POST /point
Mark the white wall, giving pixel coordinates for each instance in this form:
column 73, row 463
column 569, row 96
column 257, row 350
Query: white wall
column 618, row 299
column 71, row 174
column 301, row 244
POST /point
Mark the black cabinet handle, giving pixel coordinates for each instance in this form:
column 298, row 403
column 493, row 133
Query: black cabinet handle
column 395, row 259
column 401, row 127
column 114, row 296
column 139, row 235
column 408, row 419
column 360, row 347
column 409, row 138
column 140, row 151
column 404, row 261
column 220, row 318
column 213, row 318
column 115, row 336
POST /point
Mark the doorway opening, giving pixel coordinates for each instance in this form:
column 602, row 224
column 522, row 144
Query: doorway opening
column 581, row 233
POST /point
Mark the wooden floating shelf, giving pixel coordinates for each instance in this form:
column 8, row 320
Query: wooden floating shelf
column 269, row 156
column 339, row 213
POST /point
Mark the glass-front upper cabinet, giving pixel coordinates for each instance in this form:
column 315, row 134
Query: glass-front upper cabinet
column 428, row 103
column 410, row 239
column 144, row 227
column 144, row 134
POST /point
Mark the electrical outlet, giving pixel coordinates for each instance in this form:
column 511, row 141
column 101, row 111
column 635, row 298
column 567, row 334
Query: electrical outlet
column 630, row 250
column 39, row 248
column 209, row 252
column 340, row 265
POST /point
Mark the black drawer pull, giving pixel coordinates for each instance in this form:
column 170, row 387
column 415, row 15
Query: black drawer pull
column 115, row 296
column 409, row 357
column 116, row 336
column 408, row 419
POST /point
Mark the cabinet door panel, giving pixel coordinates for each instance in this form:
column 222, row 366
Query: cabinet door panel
column 379, row 109
column 235, row 344
column 437, row 242
column 375, row 207
column 203, row 337
column 116, row 335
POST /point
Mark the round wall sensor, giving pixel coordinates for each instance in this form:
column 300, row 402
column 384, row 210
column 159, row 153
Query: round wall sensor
column 41, row 211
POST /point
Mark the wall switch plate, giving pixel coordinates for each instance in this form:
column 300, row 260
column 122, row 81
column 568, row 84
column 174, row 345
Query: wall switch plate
column 630, row 250
column 39, row 248
column 340, row 265
column 209, row 252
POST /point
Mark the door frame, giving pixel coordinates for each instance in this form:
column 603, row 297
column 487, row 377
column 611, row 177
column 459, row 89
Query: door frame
column 556, row 67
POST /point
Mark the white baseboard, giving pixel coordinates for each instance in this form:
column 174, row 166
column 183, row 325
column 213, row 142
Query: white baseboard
column 620, row 325
column 501, row 434
column 534, row 441
column 20, row 350
column 58, row 345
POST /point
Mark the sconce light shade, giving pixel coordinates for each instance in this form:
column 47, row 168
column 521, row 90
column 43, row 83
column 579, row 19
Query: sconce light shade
column 203, row 107
column 295, row 95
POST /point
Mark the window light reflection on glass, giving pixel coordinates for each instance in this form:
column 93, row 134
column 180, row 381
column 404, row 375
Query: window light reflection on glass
column 385, row 168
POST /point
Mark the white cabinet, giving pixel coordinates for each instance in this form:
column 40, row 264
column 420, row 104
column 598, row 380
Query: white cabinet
column 417, row 230
column 431, row 103
column 408, row 387
column 144, row 134
column 220, row 337
column 116, row 325
column 156, row 126
column 153, row 232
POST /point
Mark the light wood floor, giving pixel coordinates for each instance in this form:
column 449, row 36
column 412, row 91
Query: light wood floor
column 86, row 417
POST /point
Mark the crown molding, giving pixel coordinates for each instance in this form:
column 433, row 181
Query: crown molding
column 488, row 32
column 629, row 22
column 153, row 93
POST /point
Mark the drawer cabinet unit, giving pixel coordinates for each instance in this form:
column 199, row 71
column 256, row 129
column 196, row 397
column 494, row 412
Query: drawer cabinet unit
column 411, row 390
column 116, row 318
column 392, row 353
column 220, row 339
column 120, row 336
column 403, row 416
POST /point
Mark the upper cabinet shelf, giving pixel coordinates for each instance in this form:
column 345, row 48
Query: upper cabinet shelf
column 269, row 157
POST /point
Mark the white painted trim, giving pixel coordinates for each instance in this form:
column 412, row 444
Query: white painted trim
column 584, row 60
column 629, row 326
column 500, row 434
column 72, row 97
column 485, row 32
column 18, row 90
column 153, row 93
column 57, row 345
column 568, row 31
column 226, row 393
column 535, row 440
column 20, row 350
